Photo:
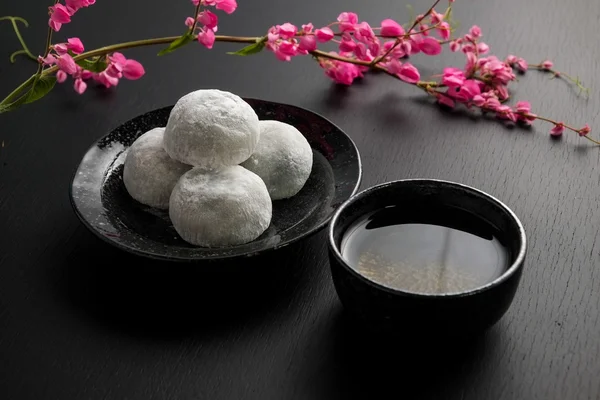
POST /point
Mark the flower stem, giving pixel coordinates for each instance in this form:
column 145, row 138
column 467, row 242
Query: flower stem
column 47, row 47
column 25, row 50
column 559, row 74
column 15, row 93
column 146, row 42
column 193, row 27
column 408, row 33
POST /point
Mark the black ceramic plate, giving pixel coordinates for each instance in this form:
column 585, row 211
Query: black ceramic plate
column 101, row 201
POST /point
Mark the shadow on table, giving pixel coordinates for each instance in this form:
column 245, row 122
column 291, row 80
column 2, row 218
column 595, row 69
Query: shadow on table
column 161, row 300
column 366, row 363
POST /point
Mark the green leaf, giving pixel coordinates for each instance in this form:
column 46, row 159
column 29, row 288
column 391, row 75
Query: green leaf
column 97, row 64
column 40, row 88
column 248, row 50
column 177, row 43
column 14, row 105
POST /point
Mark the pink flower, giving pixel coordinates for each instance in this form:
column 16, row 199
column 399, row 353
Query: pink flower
column 454, row 46
column 464, row 93
column 347, row 21
column 482, row 48
column 436, row 17
column 478, row 100
column 511, row 59
column 475, row 32
column 74, row 5
column 118, row 58
column 340, row 72
column 74, row 44
column 287, row 30
column 430, row 46
column 415, row 43
column 228, row 6
column 408, row 73
column 67, row 64
column 347, row 44
column 390, row 28
column 59, row 15
column 307, row 28
column 492, row 103
column 308, row 43
column 523, row 107
column 208, row 19
column 558, row 129
column 445, row 100
column 49, row 60
column 189, row 22
column 375, row 47
column 79, row 85
column 470, row 64
column 61, row 76
column 523, row 112
column 115, row 70
column 424, row 28
column 502, row 92
column 453, row 77
column 61, row 48
column 364, row 33
column 468, row 48
column 521, row 65
column 207, row 38
column 406, row 47
column 361, row 52
column 584, row 131
column 273, row 35
column 324, row 34
column 133, row 70
column 505, row 112
column 105, row 79
column 547, row 65
column 393, row 66
column 444, row 31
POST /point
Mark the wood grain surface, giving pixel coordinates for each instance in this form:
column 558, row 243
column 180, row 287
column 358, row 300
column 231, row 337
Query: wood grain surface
column 81, row 320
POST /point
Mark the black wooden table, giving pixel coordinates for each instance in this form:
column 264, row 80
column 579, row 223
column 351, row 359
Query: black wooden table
column 81, row 320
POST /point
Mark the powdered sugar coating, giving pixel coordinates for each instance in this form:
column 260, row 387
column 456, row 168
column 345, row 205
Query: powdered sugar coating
column 283, row 159
column 224, row 207
column 211, row 128
column 149, row 174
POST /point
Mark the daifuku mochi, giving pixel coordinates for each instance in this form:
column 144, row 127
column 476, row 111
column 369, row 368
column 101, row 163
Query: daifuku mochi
column 149, row 173
column 211, row 128
column 283, row 159
column 224, row 207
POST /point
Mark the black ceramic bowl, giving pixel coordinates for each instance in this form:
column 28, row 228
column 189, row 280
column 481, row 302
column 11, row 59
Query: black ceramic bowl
column 438, row 314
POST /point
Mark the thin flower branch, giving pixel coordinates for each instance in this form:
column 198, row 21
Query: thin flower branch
column 25, row 50
column 547, row 65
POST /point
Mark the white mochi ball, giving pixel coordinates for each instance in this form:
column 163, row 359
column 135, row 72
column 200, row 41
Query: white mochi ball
column 283, row 159
column 149, row 174
column 224, row 207
column 211, row 128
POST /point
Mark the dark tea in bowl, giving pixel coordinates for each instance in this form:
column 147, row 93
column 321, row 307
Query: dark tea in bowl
column 428, row 255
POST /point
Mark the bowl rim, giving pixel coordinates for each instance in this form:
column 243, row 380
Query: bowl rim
column 161, row 257
column 515, row 266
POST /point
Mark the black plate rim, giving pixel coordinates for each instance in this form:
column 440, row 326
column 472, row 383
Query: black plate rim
column 160, row 257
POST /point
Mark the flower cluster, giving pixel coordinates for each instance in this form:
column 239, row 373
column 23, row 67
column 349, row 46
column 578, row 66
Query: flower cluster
column 355, row 48
column 206, row 21
column 117, row 66
column 360, row 42
column 61, row 13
